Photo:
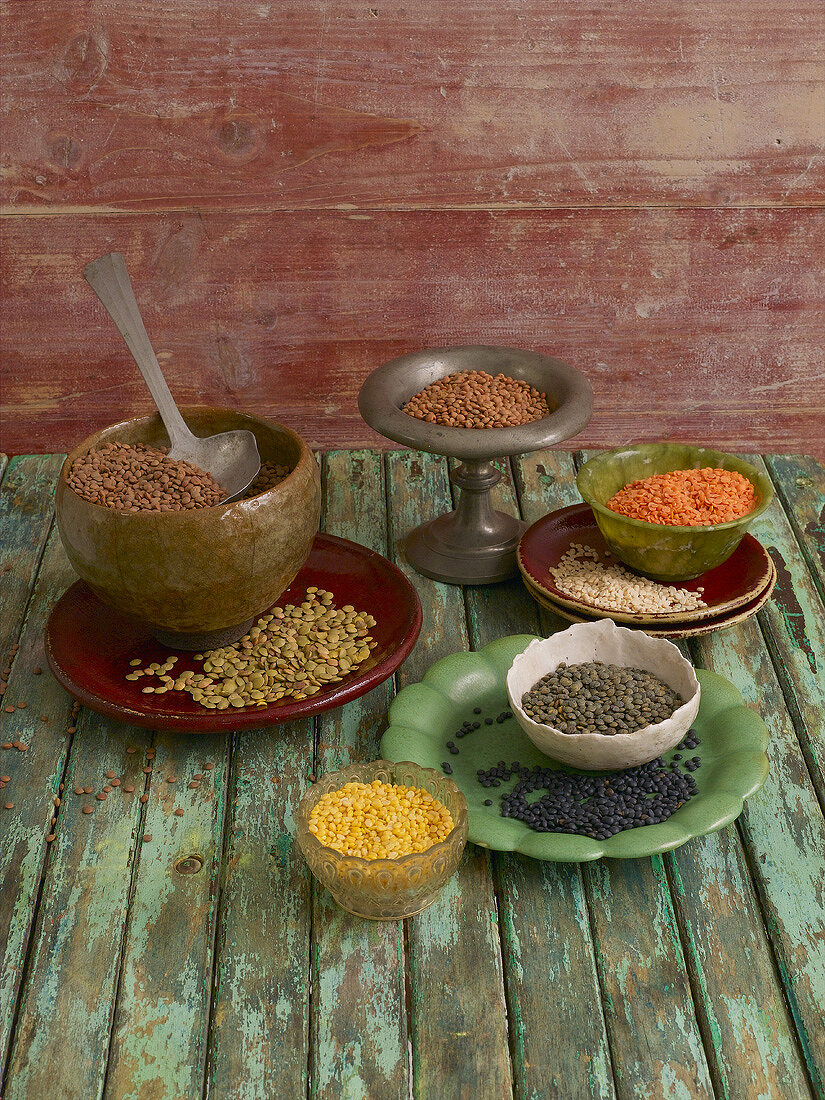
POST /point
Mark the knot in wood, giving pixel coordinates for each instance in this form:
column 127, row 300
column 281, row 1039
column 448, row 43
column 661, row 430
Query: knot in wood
column 189, row 865
column 84, row 62
column 63, row 150
column 237, row 137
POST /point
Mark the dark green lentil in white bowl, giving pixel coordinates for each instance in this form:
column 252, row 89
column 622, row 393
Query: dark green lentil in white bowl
column 594, row 697
column 599, row 696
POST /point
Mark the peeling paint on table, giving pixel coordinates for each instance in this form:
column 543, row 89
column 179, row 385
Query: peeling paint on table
column 185, row 953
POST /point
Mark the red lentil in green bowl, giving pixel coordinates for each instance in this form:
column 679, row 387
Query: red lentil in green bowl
column 664, row 551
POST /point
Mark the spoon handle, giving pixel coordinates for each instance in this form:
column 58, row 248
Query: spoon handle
column 110, row 281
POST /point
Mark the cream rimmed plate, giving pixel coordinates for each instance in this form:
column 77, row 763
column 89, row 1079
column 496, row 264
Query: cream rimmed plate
column 735, row 583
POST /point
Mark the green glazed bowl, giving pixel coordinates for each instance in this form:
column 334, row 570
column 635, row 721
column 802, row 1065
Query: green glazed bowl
column 660, row 551
column 197, row 577
column 424, row 716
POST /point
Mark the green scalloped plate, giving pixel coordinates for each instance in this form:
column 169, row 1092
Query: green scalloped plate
column 424, row 716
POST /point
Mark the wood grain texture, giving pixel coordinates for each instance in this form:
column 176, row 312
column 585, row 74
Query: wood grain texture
column 703, row 326
column 159, row 1034
column 457, row 1003
column 70, row 989
column 113, row 106
column 784, row 834
column 654, row 1035
column 697, row 973
column 543, row 916
column 34, row 779
column 359, row 1016
column 794, row 624
column 749, row 1035
column 26, row 494
column 26, row 507
column 800, row 483
column 259, row 1027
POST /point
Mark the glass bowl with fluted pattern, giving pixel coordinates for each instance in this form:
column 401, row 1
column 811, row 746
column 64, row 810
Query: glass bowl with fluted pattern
column 664, row 552
column 385, row 889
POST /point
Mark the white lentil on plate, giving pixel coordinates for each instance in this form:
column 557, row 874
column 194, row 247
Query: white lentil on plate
column 583, row 575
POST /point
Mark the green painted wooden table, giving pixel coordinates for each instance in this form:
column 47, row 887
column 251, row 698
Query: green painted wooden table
column 696, row 974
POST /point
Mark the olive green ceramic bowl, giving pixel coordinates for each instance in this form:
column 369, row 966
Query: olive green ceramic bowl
column 198, row 577
column 663, row 552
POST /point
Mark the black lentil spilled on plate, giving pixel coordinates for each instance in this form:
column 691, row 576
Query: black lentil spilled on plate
column 587, row 804
column 597, row 806
column 594, row 697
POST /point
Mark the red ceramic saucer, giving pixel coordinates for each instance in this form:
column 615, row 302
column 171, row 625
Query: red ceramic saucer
column 735, row 583
column 671, row 630
column 89, row 646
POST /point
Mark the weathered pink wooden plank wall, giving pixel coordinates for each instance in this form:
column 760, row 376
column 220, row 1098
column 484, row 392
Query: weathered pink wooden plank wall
column 302, row 192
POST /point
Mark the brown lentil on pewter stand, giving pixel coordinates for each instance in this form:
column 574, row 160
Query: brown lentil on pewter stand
column 476, row 399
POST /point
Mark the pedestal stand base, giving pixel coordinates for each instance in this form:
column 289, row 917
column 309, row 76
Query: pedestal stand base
column 439, row 549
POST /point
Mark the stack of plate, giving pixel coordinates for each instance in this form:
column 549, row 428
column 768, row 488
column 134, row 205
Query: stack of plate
column 732, row 592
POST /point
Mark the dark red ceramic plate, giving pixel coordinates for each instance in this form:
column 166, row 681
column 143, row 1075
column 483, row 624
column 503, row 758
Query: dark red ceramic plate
column 89, row 646
column 735, row 583
column 669, row 630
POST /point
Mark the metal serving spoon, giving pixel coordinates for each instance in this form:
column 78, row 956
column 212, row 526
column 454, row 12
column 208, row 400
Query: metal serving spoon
column 230, row 457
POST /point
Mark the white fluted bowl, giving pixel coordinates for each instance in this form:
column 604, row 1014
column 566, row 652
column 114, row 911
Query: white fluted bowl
column 614, row 645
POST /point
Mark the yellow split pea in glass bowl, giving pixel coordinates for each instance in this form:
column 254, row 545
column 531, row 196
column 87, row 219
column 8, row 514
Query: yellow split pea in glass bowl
column 385, row 889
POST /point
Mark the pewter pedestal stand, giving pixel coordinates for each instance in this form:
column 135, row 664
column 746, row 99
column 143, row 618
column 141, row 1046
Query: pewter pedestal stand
column 474, row 544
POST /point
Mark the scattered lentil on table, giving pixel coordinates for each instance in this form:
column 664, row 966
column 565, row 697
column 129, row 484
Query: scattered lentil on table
column 477, row 399
column 379, row 820
column 690, row 498
column 582, row 574
column 292, row 652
